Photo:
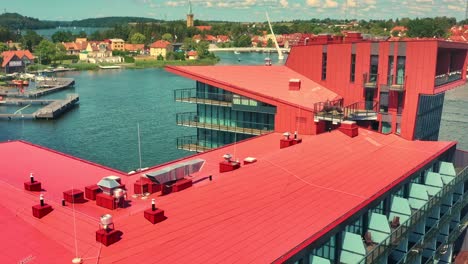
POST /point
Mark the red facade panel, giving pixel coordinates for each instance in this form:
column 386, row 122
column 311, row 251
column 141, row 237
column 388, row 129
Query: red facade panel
column 306, row 60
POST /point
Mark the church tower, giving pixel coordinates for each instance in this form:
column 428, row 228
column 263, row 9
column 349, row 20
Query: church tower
column 190, row 16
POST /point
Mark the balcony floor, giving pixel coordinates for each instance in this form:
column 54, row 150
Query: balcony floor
column 194, row 100
column 242, row 130
column 194, row 147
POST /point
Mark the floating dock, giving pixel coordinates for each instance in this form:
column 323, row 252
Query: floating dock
column 52, row 84
column 51, row 110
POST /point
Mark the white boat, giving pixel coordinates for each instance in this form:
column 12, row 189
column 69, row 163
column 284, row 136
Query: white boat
column 109, row 67
column 236, row 52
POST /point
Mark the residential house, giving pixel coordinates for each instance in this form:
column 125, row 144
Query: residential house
column 160, row 47
column 16, row 60
column 459, row 33
column 117, row 44
column 98, row 52
column 398, row 31
column 192, row 55
column 222, row 39
column 135, row 48
column 74, row 48
column 210, row 38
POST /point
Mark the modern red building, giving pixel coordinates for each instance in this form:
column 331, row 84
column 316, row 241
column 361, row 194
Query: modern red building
column 351, row 195
column 388, row 86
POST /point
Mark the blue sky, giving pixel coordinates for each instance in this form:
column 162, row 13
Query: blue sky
column 236, row 10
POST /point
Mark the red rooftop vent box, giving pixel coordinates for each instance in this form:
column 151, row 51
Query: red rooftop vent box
column 294, row 84
column 349, row 128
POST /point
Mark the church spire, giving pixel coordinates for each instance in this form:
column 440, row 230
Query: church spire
column 190, row 7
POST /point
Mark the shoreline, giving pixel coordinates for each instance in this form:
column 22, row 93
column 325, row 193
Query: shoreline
column 134, row 65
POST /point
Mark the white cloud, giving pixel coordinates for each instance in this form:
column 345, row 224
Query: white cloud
column 370, row 2
column 284, row 3
column 351, row 3
column 313, row 3
column 330, row 4
column 454, row 7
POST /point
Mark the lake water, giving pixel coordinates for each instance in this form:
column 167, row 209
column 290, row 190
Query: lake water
column 47, row 33
column 103, row 128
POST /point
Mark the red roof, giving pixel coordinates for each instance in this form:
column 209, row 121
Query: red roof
column 8, row 55
column 203, row 28
column 399, row 28
column 160, row 44
column 272, row 83
column 258, row 213
column 192, row 53
column 134, row 47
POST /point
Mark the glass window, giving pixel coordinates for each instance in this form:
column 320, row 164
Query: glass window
column 324, row 66
column 386, row 128
column 353, row 67
column 400, row 76
column 390, row 72
column 374, row 68
column 384, row 102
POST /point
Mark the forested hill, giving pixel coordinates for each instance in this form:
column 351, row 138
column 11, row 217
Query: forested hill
column 15, row 21
column 110, row 21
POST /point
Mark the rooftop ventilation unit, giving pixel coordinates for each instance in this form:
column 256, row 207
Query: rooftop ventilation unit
column 107, row 185
column 175, row 172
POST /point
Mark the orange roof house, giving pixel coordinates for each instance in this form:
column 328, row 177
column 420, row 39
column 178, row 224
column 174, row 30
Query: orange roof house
column 160, row 48
column 16, row 60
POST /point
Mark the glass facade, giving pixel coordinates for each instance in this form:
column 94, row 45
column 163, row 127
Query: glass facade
column 428, row 116
column 429, row 214
column 324, row 66
column 353, row 68
column 222, row 117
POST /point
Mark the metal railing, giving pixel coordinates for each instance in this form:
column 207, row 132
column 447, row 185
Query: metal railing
column 400, row 233
column 191, row 95
column 191, row 143
column 362, row 110
column 192, row 119
column 447, row 78
column 370, row 80
column 398, row 84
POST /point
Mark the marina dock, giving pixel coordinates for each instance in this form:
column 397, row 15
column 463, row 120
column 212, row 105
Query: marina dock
column 51, row 110
column 51, row 85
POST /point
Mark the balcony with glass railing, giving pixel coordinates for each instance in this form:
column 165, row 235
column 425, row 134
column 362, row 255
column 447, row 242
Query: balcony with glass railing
column 192, row 119
column 447, row 78
column 370, row 80
column 191, row 95
column 396, row 83
column 398, row 234
column 192, row 143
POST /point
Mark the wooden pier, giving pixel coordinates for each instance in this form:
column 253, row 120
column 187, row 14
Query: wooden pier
column 52, row 84
column 51, row 110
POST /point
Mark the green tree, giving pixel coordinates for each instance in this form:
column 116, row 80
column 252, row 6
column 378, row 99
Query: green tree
column 3, row 47
column 5, row 34
column 137, row 38
column 202, row 49
column 160, row 57
column 46, row 51
column 60, row 52
column 189, row 44
column 167, row 37
column 30, row 40
column 62, row 36
column 269, row 43
column 243, row 41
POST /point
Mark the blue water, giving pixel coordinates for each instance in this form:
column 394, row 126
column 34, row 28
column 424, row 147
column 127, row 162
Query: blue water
column 47, row 33
column 103, row 128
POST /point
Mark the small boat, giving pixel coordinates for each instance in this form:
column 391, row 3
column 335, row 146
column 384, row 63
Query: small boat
column 236, row 52
column 109, row 67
